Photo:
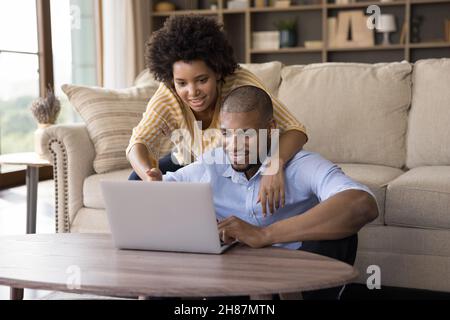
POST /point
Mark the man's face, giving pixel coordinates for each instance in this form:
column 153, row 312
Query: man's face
column 241, row 141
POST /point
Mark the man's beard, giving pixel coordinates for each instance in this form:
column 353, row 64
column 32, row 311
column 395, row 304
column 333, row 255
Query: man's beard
column 247, row 168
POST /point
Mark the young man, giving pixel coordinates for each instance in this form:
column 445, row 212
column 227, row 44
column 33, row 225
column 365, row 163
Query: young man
column 323, row 208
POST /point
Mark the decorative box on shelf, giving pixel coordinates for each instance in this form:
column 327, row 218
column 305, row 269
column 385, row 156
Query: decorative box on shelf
column 352, row 22
column 314, row 44
column 266, row 40
column 282, row 3
column 237, row 4
column 346, row 1
column 164, row 6
column 260, row 3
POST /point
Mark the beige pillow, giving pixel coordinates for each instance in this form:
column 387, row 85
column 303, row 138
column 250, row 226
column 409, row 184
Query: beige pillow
column 353, row 112
column 145, row 78
column 269, row 73
column 429, row 120
column 110, row 116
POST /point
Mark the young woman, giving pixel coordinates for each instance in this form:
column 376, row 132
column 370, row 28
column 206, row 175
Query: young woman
column 194, row 62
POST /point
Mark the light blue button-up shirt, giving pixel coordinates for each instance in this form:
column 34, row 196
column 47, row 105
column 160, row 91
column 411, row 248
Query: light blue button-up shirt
column 310, row 179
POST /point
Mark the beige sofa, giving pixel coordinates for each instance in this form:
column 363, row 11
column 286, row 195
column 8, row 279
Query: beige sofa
column 386, row 125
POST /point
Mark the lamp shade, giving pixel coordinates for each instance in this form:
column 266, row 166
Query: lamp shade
column 386, row 23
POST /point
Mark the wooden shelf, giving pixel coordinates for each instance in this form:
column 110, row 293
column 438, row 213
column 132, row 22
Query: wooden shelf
column 427, row 45
column 429, row 1
column 285, row 50
column 242, row 22
column 291, row 8
column 360, row 4
column 310, row 7
column 234, row 11
column 182, row 12
column 364, row 4
column 372, row 48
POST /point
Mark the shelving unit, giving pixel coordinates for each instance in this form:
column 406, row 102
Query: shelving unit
column 312, row 25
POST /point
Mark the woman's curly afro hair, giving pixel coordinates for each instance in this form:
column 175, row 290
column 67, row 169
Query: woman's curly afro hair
column 189, row 38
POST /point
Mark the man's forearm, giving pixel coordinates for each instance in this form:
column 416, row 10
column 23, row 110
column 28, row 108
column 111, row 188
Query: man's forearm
column 338, row 217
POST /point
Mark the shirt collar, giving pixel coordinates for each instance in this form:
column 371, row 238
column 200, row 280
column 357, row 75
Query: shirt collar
column 239, row 177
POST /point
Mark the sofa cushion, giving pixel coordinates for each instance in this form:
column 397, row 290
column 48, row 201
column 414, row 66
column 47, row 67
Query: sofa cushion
column 92, row 194
column 420, row 198
column 269, row 73
column 407, row 257
column 110, row 116
column 376, row 178
column 429, row 130
column 399, row 240
column 90, row 220
column 354, row 112
column 145, row 78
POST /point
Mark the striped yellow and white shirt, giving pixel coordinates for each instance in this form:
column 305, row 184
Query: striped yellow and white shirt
column 167, row 114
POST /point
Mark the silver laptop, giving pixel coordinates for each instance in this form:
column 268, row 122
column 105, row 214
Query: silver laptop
column 165, row 216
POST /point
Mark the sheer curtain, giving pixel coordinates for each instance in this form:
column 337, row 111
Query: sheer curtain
column 125, row 28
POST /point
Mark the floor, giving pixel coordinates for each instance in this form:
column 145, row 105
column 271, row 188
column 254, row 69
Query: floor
column 13, row 220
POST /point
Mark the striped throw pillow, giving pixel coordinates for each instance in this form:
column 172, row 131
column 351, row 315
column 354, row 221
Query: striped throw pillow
column 110, row 116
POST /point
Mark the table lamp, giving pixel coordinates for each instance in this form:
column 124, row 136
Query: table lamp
column 386, row 24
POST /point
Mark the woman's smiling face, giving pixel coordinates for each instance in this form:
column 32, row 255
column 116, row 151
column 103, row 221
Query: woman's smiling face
column 196, row 84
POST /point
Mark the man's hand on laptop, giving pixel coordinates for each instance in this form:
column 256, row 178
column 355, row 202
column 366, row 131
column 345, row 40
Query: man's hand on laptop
column 233, row 228
column 154, row 174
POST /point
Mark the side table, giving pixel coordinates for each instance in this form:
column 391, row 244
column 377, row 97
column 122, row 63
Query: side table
column 33, row 162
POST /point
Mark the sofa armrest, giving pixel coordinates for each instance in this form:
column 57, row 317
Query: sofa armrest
column 71, row 151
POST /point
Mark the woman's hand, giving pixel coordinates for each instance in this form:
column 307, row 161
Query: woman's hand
column 271, row 189
column 153, row 174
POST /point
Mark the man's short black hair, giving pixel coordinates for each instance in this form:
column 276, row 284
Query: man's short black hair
column 249, row 98
column 188, row 38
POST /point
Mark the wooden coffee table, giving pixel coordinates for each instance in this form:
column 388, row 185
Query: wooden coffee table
column 88, row 263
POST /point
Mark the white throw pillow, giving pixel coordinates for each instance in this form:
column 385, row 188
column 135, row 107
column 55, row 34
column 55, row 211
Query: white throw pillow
column 110, row 116
column 429, row 119
column 269, row 73
column 354, row 112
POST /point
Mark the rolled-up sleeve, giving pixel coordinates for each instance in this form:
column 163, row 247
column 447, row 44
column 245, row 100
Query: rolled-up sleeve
column 325, row 178
column 157, row 123
column 285, row 120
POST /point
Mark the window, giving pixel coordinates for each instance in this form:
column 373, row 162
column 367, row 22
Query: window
column 19, row 77
column 74, row 48
column 26, row 64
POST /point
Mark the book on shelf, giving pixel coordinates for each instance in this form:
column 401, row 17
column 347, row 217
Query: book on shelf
column 332, row 28
column 403, row 34
column 282, row 3
column 447, row 30
column 344, row 1
column 313, row 44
